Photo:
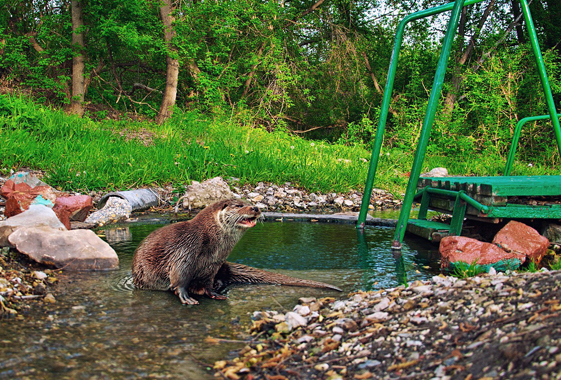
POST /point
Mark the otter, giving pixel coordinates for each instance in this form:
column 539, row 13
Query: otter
column 190, row 257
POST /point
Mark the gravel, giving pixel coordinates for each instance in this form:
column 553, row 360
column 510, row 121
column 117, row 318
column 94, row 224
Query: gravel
column 487, row 327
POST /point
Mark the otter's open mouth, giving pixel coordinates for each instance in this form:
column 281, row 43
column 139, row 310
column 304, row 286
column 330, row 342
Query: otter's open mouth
column 248, row 223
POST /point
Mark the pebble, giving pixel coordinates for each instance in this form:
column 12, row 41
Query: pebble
column 431, row 329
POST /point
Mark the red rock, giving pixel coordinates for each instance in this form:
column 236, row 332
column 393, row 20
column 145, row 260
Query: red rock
column 20, row 195
column 74, row 207
column 522, row 239
column 459, row 248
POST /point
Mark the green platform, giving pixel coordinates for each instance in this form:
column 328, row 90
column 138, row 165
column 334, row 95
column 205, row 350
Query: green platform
column 504, row 186
column 489, row 199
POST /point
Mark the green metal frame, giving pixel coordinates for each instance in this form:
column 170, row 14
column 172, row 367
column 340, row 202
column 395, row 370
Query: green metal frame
column 455, row 8
column 516, row 136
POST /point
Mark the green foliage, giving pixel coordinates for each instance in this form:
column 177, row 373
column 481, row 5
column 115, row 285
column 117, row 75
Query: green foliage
column 465, row 270
column 556, row 265
column 531, row 267
column 287, row 67
column 359, row 133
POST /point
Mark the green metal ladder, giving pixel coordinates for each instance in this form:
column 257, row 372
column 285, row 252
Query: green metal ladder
column 461, row 198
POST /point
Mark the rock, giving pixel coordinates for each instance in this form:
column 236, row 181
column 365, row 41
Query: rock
column 75, row 208
column 70, row 250
column 283, row 328
column 553, row 233
column 302, row 310
column 200, row 195
column 321, row 367
column 49, row 298
column 307, row 300
column 40, row 275
column 339, row 305
column 26, row 177
column 463, row 249
column 436, row 172
column 19, row 196
column 379, row 316
column 115, row 209
column 339, row 201
column 35, row 216
column 382, row 305
column 258, row 198
column 295, row 320
column 521, row 239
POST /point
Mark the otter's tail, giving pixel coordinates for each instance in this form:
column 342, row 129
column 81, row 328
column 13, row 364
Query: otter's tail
column 232, row 273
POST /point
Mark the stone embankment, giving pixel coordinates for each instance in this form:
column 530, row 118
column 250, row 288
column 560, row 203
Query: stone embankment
column 493, row 326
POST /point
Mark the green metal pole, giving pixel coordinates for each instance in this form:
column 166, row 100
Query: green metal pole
column 427, row 124
column 516, row 137
column 378, row 139
column 541, row 69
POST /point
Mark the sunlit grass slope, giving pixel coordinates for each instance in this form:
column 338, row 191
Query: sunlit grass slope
column 80, row 154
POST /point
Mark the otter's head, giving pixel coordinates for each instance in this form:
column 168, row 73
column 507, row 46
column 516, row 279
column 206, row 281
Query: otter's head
column 237, row 213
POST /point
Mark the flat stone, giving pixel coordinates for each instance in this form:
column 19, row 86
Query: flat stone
column 71, row 250
column 35, row 216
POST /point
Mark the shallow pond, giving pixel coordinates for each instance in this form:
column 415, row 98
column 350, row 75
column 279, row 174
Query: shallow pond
column 101, row 328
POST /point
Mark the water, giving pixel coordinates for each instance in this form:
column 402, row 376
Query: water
column 101, row 328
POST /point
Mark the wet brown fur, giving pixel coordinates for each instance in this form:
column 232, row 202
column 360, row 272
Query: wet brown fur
column 190, row 257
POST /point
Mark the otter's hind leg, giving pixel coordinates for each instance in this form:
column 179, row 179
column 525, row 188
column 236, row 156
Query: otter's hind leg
column 179, row 283
column 183, row 295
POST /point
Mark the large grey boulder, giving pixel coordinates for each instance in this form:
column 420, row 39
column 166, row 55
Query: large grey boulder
column 35, row 216
column 71, row 250
column 200, row 195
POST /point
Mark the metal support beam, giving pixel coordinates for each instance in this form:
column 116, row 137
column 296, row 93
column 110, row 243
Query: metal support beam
column 427, row 124
column 384, row 108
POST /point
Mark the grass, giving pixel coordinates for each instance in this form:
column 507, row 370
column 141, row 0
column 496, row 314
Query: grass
column 464, row 270
column 79, row 154
column 556, row 265
column 82, row 155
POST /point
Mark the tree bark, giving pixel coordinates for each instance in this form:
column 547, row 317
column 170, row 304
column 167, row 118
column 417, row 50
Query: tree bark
column 517, row 15
column 78, row 81
column 172, row 71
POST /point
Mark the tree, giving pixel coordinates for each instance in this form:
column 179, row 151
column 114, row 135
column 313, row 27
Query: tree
column 172, row 62
column 78, row 62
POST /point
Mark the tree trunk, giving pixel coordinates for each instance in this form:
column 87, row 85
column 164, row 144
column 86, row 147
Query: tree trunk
column 172, row 72
column 517, row 15
column 78, row 82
